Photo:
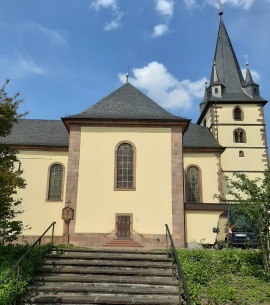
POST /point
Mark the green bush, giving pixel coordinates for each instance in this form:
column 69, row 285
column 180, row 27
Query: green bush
column 9, row 255
column 226, row 277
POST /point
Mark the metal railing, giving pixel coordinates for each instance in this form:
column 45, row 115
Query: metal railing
column 177, row 272
column 17, row 265
column 108, row 233
column 134, row 231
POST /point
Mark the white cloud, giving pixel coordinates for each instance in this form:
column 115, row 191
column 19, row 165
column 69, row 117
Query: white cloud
column 98, row 4
column 54, row 36
column 244, row 4
column 164, row 88
column 191, row 3
column 165, row 7
column 159, row 30
column 109, row 4
column 20, row 67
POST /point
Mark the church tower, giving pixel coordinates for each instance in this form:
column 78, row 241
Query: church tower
column 233, row 110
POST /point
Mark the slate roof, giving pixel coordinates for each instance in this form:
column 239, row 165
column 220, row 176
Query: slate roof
column 53, row 133
column 126, row 103
column 227, row 71
column 38, row 133
column 199, row 137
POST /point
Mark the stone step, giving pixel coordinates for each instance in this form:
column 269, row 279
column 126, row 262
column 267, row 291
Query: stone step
column 33, row 293
column 106, row 270
column 79, row 276
column 106, row 288
column 96, row 278
column 108, row 250
column 110, row 263
column 110, row 255
column 122, row 243
column 100, row 299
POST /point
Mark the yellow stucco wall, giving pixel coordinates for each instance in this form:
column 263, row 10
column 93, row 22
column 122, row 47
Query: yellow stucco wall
column 253, row 136
column 98, row 202
column 38, row 212
column 250, row 114
column 209, row 168
column 252, row 160
column 199, row 226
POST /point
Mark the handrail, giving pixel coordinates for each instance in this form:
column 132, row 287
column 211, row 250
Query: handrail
column 108, row 233
column 175, row 261
column 38, row 241
column 138, row 233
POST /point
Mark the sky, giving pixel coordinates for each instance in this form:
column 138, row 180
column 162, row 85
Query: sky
column 63, row 56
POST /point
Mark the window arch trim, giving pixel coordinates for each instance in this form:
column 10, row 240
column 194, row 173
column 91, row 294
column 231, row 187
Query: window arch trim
column 133, row 188
column 48, row 181
column 241, row 114
column 200, row 184
column 237, row 137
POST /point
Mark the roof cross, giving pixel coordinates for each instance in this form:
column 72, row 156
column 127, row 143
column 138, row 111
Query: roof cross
column 127, row 75
column 220, row 11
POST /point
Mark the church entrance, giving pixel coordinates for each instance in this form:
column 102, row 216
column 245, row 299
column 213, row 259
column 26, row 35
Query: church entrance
column 123, row 227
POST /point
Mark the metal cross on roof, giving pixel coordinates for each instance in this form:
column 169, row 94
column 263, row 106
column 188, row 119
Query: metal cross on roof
column 220, row 11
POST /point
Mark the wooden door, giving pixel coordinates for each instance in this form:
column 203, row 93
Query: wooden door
column 123, row 227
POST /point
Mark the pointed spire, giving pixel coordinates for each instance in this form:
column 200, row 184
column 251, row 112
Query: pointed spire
column 214, row 73
column 249, row 79
column 226, row 67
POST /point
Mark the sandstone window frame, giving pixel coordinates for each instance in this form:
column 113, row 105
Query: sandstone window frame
column 239, row 135
column 119, row 169
column 195, row 186
column 55, row 194
column 238, row 113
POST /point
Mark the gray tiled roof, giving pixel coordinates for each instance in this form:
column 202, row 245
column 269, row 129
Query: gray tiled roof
column 53, row 133
column 227, row 66
column 38, row 133
column 126, row 103
column 198, row 137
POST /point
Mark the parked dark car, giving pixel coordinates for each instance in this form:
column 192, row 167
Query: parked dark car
column 234, row 230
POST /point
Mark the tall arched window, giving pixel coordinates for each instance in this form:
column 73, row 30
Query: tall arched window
column 238, row 114
column 55, row 182
column 125, row 166
column 239, row 136
column 193, row 184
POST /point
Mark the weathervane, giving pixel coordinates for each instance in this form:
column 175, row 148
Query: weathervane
column 220, row 11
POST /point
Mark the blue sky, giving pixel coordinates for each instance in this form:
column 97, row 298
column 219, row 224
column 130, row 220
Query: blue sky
column 65, row 55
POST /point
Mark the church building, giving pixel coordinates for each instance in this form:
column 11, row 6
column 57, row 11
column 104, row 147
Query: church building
column 116, row 173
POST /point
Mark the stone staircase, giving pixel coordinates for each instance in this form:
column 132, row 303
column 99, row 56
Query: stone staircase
column 105, row 276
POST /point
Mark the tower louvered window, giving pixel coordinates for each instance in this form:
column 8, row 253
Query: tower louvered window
column 239, row 136
column 125, row 166
column 237, row 114
column 193, row 190
column 55, row 182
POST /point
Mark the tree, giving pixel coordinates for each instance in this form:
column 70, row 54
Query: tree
column 251, row 198
column 10, row 179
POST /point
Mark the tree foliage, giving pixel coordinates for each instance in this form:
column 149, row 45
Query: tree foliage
column 251, row 198
column 10, row 180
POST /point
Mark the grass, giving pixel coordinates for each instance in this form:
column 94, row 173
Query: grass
column 9, row 255
column 225, row 277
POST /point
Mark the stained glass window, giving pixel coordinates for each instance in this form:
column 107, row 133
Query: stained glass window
column 124, row 166
column 55, row 182
column 193, row 184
